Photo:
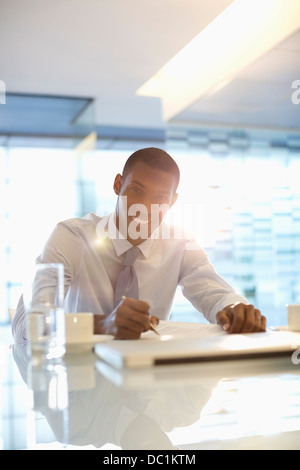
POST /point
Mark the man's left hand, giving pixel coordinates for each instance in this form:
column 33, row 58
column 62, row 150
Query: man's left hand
column 241, row 318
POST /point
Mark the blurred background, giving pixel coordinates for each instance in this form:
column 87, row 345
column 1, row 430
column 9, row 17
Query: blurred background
column 76, row 101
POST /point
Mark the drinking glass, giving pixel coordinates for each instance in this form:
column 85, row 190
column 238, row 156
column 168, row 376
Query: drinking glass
column 43, row 301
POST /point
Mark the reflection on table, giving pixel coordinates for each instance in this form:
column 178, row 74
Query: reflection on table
column 236, row 404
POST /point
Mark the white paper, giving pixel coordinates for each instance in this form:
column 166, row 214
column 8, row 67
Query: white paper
column 184, row 329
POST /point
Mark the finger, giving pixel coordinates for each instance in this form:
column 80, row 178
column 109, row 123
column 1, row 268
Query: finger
column 260, row 322
column 251, row 320
column 154, row 320
column 263, row 323
column 139, row 305
column 224, row 318
column 257, row 321
column 238, row 320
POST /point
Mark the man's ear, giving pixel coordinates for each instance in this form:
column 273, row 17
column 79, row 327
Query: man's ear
column 174, row 199
column 118, row 184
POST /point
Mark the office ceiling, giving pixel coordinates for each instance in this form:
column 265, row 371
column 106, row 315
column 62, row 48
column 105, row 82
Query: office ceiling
column 79, row 51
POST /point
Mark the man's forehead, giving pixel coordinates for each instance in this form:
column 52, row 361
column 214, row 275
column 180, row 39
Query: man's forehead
column 145, row 175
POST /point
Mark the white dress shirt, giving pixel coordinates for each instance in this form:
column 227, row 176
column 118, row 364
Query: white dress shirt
column 92, row 263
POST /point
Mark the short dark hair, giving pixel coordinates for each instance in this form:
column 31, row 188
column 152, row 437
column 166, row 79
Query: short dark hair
column 156, row 158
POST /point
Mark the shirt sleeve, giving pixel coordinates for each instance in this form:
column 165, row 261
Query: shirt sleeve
column 203, row 286
column 64, row 247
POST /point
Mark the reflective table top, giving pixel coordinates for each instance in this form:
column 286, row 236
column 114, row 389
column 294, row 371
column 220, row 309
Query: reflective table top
column 81, row 402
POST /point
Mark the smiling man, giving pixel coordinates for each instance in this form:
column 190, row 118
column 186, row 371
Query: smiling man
column 135, row 244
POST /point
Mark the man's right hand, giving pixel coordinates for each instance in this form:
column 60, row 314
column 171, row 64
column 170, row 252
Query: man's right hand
column 127, row 321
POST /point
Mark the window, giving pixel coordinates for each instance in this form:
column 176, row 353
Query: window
column 243, row 206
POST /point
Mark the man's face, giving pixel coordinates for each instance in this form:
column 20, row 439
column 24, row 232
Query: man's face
column 145, row 195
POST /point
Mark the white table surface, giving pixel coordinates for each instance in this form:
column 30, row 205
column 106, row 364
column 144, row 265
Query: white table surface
column 81, row 402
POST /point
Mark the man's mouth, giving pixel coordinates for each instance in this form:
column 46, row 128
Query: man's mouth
column 139, row 220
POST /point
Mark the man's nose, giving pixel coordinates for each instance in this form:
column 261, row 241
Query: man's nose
column 145, row 209
column 145, row 205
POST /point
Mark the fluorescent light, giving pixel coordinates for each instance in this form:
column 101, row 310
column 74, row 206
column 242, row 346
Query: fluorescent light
column 242, row 33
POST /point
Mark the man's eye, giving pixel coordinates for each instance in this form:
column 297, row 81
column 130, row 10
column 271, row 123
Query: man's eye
column 162, row 199
column 135, row 189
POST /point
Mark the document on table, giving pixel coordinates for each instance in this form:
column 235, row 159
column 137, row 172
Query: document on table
column 194, row 342
column 177, row 329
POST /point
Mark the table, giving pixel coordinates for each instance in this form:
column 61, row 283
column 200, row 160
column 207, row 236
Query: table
column 81, row 402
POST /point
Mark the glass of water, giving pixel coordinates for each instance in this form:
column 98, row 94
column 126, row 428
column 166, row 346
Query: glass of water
column 43, row 301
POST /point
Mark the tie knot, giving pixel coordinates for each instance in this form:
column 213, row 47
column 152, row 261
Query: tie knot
column 131, row 256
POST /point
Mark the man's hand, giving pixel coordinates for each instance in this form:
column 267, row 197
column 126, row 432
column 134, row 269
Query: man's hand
column 241, row 318
column 129, row 319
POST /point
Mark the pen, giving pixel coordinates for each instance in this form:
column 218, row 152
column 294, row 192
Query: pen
column 152, row 326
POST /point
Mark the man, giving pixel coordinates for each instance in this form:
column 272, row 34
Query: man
column 93, row 250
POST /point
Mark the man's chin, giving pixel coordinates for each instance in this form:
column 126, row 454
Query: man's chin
column 137, row 229
column 139, row 232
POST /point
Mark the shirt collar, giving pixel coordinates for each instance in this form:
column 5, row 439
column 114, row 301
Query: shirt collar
column 120, row 243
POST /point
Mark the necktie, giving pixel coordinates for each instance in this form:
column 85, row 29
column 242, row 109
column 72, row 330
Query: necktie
column 127, row 283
